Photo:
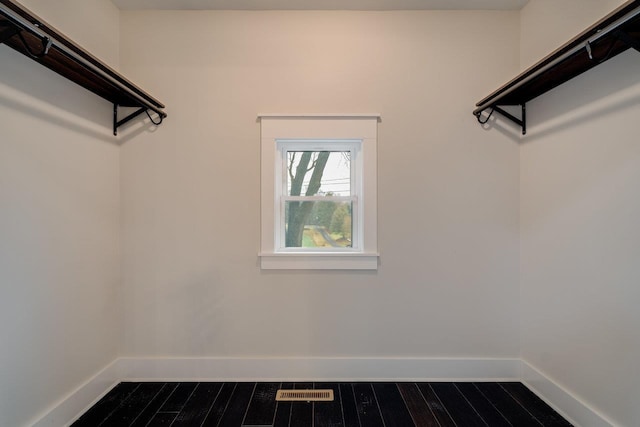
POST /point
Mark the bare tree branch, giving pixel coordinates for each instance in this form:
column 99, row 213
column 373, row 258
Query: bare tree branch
column 292, row 159
column 301, row 171
column 299, row 212
column 313, row 162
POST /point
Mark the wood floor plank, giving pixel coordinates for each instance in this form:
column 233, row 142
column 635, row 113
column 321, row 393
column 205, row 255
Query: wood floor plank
column 462, row 413
column 179, row 397
column 355, row 405
column 238, row 404
column 487, row 411
column 105, row 406
column 262, row 407
column 435, row 405
column 163, row 419
column 328, row 414
column 417, row 406
column 195, row 410
column 392, row 407
column 349, row 409
column 154, row 405
column 536, row 406
column 510, row 409
column 132, row 406
column 301, row 412
column 367, row 405
column 215, row 414
column 283, row 409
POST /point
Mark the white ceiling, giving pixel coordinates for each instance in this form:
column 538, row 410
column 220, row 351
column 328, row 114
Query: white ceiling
column 321, row 4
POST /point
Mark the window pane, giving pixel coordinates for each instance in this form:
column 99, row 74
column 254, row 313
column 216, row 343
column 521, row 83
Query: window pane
column 311, row 173
column 318, row 224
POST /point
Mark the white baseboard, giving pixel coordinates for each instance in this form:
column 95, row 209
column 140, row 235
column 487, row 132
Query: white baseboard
column 277, row 369
column 77, row 402
column 569, row 406
column 318, row 369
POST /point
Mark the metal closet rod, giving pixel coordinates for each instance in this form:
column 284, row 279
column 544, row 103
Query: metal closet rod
column 34, row 29
column 581, row 45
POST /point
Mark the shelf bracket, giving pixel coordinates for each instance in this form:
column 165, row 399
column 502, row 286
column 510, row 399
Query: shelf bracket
column 615, row 33
column 628, row 40
column 29, row 35
column 117, row 123
column 7, row 30
column 46, row 46
column 522, row 122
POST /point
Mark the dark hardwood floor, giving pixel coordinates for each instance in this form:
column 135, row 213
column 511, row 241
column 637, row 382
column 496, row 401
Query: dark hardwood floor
column 356, row 404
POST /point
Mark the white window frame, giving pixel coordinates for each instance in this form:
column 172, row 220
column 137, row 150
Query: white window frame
column 354, row 147
column 358, row 133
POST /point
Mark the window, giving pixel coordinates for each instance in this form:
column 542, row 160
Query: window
column 317, row 197
column 319, row 192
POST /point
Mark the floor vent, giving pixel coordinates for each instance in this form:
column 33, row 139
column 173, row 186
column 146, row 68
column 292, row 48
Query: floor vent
column 304, row 395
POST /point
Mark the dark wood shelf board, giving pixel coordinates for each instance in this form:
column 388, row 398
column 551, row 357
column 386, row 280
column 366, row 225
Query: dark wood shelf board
column 69, row 59
column 571, row 59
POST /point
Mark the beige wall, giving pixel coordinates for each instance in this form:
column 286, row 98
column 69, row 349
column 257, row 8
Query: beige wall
column 580, row 168
column 448, row 191
column 59, row 223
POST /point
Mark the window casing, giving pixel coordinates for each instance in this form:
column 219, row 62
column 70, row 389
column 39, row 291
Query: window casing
column 319, row 208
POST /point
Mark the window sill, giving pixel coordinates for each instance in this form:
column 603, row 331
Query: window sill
column 318, row 261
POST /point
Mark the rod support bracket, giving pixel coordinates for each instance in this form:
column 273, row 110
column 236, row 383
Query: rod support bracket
column 8, row 30
column 627, row 39
column 522, row 122
column 117, row 123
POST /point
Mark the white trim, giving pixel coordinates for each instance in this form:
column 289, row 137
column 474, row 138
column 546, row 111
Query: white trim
column 309, row 128
column 318, row 261
column 320, row 115
column 338, row 199
column 568, row 405
column 318, row 369
column 69, row 408
column 320, row 254
column 356, row 193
